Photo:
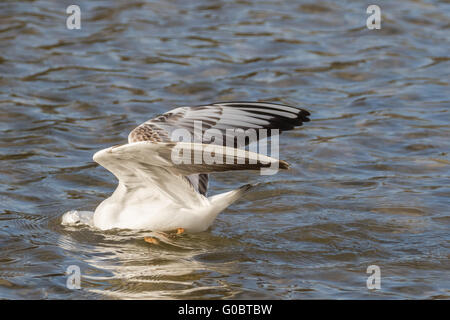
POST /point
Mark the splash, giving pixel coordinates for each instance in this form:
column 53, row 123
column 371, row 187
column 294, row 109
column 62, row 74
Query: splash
column 75, row 217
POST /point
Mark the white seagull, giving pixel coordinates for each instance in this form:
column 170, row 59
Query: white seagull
column 159, row 194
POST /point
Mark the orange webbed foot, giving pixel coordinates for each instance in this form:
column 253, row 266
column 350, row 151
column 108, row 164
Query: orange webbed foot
column 151, row 240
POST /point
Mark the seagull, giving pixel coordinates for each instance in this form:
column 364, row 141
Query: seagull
column 160, row 193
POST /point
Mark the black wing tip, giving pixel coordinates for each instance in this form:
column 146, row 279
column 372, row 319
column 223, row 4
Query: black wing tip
column 301, row 115
column 246, row 187
column 283, row 165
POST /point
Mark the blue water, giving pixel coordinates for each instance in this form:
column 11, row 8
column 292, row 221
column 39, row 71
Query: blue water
column 369, row 179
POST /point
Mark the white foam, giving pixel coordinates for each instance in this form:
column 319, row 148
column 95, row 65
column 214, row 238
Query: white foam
column 75, row 217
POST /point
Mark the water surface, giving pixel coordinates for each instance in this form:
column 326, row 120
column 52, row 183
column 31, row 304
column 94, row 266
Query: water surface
column 369, row 183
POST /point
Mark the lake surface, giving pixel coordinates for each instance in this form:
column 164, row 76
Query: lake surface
column 370, row 174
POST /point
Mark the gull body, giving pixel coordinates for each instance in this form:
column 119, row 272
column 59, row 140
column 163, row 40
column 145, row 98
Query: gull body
column 147, row 208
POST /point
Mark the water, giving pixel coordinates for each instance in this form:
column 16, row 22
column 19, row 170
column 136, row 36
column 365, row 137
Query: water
column 369, row 183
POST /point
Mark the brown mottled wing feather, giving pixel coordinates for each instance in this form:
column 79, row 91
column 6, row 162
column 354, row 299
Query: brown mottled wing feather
column 149, row 132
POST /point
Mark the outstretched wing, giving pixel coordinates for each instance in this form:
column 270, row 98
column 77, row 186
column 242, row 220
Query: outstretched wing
column 219, row 116
column 165, row 164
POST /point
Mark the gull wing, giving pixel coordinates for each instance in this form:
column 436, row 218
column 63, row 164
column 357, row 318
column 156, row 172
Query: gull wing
column 179, row 159
column 220, row 116
column 140, row 165
column 163, row 166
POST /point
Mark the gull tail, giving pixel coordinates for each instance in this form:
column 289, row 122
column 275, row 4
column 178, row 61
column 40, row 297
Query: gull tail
column 223, row 200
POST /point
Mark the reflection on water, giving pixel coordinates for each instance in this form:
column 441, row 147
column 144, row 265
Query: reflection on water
column 132, row 268
column 370, row 172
